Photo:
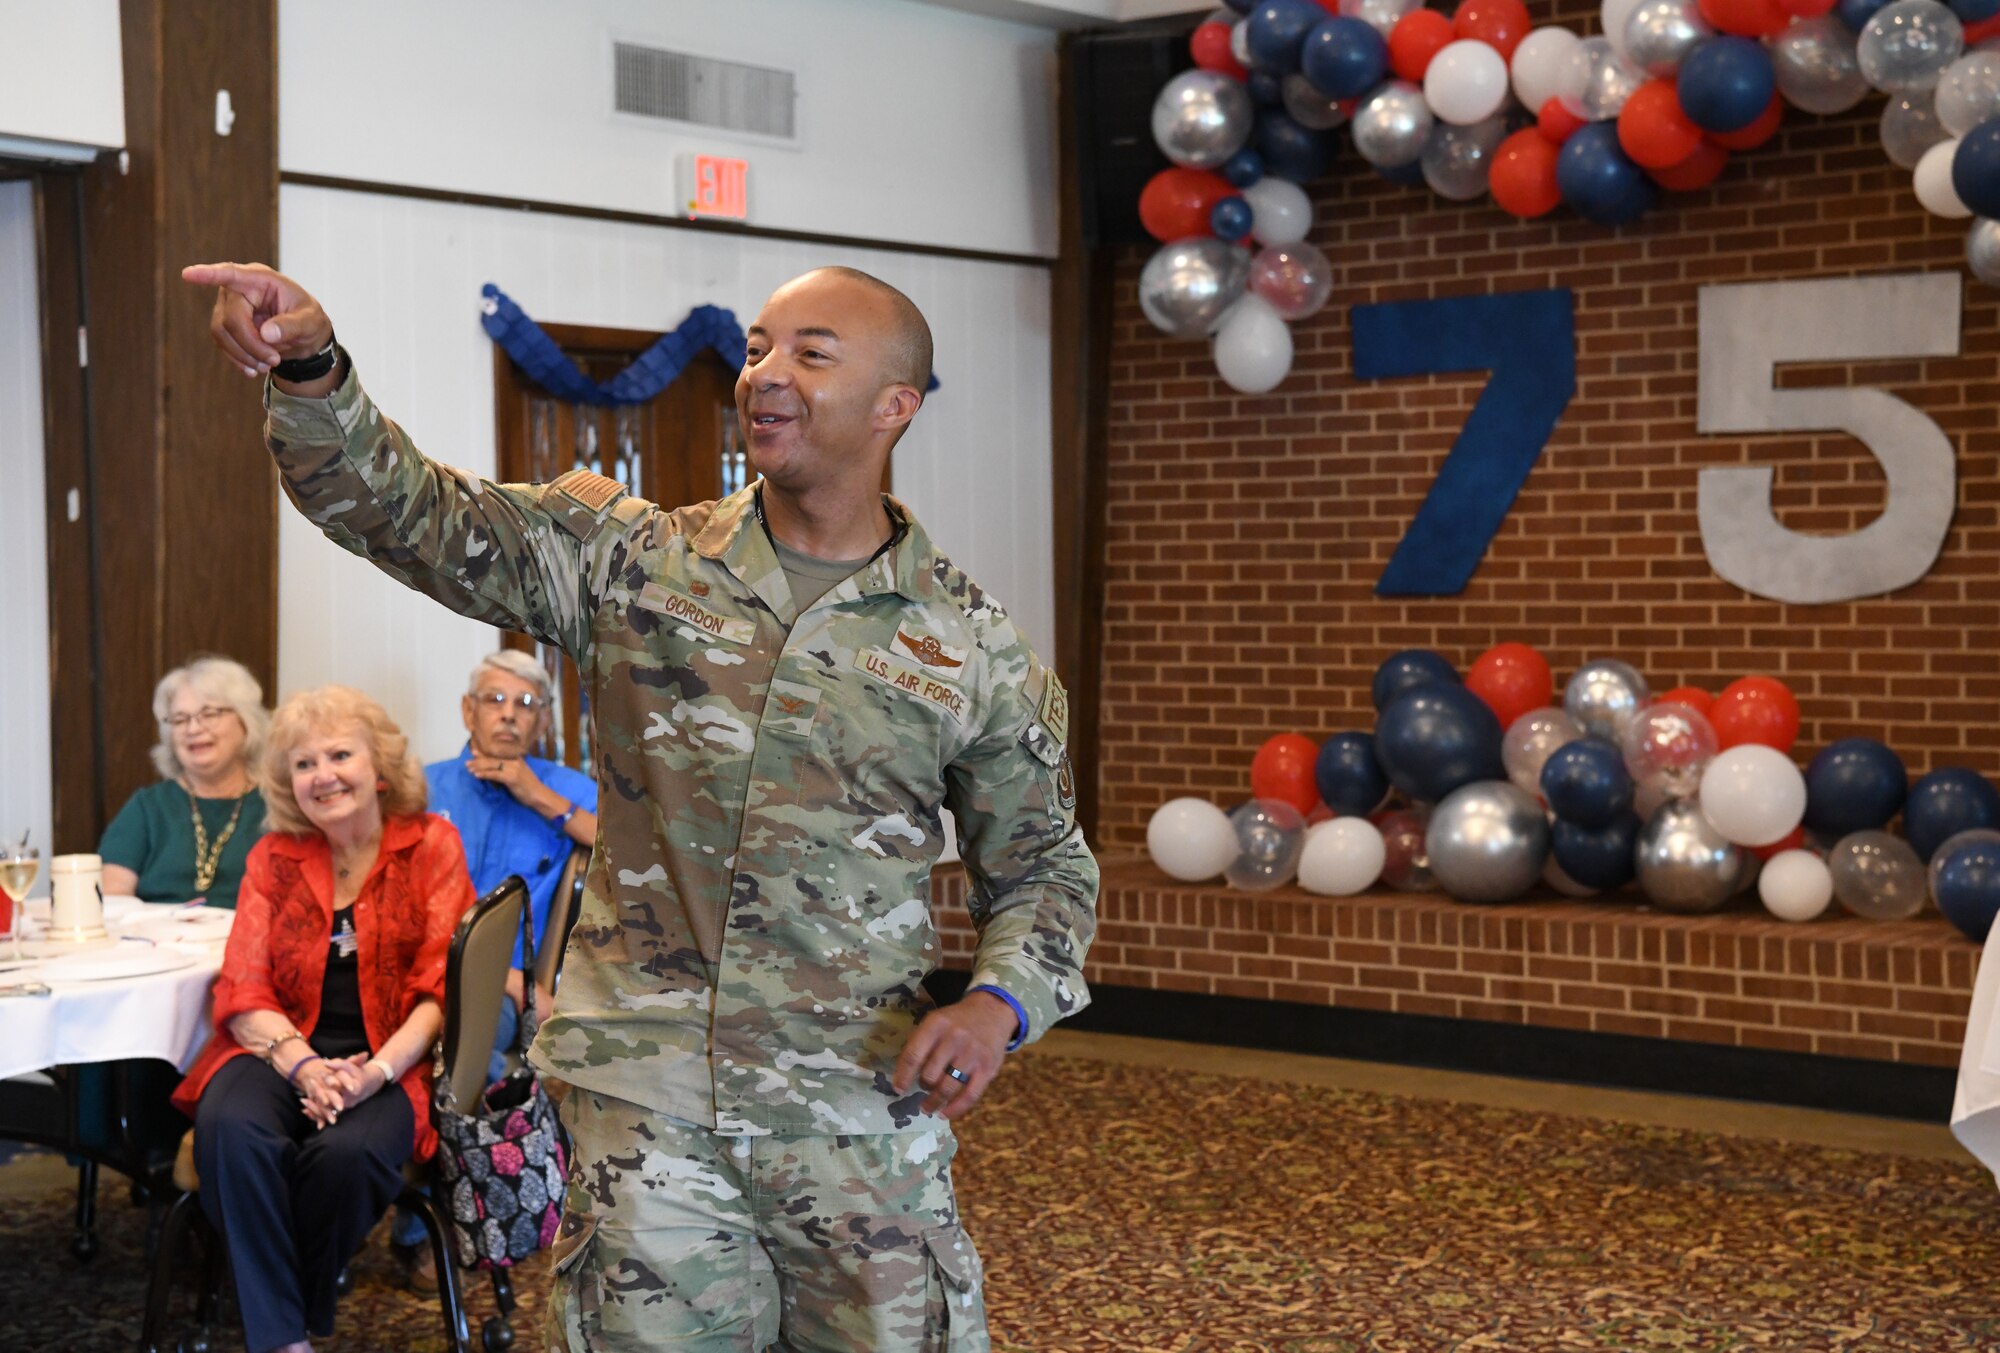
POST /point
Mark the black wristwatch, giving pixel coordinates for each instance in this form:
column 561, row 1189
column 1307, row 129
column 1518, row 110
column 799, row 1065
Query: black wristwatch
column 299, row 370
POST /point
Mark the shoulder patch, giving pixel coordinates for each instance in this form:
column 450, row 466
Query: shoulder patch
column 582, row 501
column 589, row 489
column 1053, row 712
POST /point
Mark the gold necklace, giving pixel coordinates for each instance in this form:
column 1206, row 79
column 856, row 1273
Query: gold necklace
column 207, row 861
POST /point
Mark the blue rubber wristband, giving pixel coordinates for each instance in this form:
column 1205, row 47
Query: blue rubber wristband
column 1020, row 1015
column 292, row 1076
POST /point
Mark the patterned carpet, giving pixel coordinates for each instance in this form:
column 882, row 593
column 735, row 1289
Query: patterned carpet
column 1135, row 1209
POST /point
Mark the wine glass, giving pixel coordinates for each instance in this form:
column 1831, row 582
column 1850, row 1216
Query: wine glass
column 18, row 866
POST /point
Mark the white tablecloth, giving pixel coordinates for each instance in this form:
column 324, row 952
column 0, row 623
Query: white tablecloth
column 163, row 1014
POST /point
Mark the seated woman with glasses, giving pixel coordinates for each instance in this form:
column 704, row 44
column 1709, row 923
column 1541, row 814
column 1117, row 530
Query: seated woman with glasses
column 186, row 838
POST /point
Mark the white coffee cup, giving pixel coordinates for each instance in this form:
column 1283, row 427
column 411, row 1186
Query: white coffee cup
column 76, row 896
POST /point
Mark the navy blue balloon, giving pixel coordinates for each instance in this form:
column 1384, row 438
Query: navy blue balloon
column 1945, row 803
column 1598, row 857
column 1598, row 179
column 1974, row 11
column 1726, row 83
column 1856, row 13
column 1350, row 780
column 1291, row 150
column 1403, row 672
column 1230, row 219
column 1435, row 738
column 1854, row 785
column 1243, row 168
column 1404, row 175
column 1975, row 168
column 1345, row 58
column 1266, row 90
column 1585, row 782
column 1967, row 885
column 1277, row 31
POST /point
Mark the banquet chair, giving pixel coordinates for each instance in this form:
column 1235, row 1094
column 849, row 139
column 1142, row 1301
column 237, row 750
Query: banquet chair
column 563, row 907
column 475, row 981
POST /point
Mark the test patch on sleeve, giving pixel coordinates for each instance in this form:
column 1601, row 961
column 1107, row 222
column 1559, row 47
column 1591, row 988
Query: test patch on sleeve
column 1053, row 713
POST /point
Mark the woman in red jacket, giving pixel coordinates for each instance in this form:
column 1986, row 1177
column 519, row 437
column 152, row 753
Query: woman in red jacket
column 315, row 1089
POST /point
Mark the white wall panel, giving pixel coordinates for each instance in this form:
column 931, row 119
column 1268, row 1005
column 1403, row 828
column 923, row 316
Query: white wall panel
column 25, row 770
column 60, row 74
column 401, row 280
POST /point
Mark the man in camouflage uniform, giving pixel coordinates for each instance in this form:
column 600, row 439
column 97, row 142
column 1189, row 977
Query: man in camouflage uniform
column 762, row 1122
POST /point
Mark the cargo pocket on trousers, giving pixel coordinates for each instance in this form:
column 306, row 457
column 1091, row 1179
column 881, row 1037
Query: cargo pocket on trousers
column 572, row 1320
column 958, row 1312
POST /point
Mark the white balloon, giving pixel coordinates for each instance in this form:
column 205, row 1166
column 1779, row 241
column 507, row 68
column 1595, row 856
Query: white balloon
column 1933, row 183
column 1616, row 16
column 1540, row 65
column 1753, row 795
column 1795, row 885
column 1466, row 82
column 1280, row 211
column 1343, row 856
column 1191, row 839
column 1252, row 346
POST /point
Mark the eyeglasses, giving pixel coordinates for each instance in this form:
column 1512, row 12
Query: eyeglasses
column 201, row 718
column 527, row 704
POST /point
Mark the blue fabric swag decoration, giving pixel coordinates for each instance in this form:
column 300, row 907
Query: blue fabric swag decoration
column 707, row 326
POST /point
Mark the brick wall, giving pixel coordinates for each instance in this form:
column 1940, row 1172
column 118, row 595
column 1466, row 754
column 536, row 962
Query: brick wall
column 1245, row 534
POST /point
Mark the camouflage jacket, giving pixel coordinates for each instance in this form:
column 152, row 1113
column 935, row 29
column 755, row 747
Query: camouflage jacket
column 756, row 921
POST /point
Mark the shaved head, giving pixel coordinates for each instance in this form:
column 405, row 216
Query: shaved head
column 906, row 356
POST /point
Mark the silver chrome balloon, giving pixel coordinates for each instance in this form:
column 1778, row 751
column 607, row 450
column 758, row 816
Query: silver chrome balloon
column 1604, row 696
column 1910, row 127
column 1661, row 33
column 1186, row 286
column 1908, row 44
column 1380, row 15
column 1878, row 876
column 1982, row 251
column 1309, row 108
column 1487, row 842
column 1684, row 864
column 1392, row 124
column 1201, row 118
column 1456, row 160
column 1968, row 93
column 1817, row 67
column 1598, row 80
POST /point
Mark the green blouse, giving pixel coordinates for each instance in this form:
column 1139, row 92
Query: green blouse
column 153, row 836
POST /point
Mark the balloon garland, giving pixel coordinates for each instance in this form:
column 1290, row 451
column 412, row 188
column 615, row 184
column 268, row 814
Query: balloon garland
column 1483, row 103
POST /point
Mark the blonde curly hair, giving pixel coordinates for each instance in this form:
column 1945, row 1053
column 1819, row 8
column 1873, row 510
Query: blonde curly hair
column 323, row 710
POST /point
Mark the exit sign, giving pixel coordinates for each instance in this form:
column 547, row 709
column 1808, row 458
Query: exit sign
column 716, row 188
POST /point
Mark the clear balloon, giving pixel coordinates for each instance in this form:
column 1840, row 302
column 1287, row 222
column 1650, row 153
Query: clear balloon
column 1252, row 346
column 1540, row 65
column 1795, row 885
column 1295, row 278
column 1598, row 80
column 1910, row 127
column 1380, row 15
column 1406, row 861
column 1878, row 876
column 1531, row 740
column 1309, row 108
column 1270, row 837
column 1280, row 211
column 1392, row 124
column 1668, row 746
column 1191, row 839
column 1908, row 44
column 1982, row 251
column 1487, row 842
column 1201, row 118
column 1604, row 696
column 1341, row 857
column 1684, row 863
column 1456, row 160
column 1968, row 93
column 1753, row 795
column 1186, row 287
column 1613, row 18
column 1817, row 67
column 1932, row 180
column 1660, row 33
column 1465, row 83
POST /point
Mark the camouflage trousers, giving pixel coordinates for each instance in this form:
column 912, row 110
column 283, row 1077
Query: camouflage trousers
column 674, row 1236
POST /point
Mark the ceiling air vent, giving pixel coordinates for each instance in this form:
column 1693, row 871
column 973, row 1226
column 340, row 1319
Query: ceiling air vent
column 728, row 95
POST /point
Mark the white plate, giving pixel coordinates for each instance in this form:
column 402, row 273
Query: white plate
column 129, row 961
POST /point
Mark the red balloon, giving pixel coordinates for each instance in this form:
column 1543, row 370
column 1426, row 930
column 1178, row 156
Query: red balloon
column 1652, row 128
column 1320, row 813
column 1979, row 32
column 1806, row 9
column 1694, row 697
column 1210, row 45
column 1511, row 678
column 1523, row 177
column 1758, row 709
column 1698, row 170
column 1500, row 24
column 1417, row 37
column 1792, row 840
column 1747, row 18
column 1283, row 770
column 1758, row 132
column 1557, row 123
column 1176, row 202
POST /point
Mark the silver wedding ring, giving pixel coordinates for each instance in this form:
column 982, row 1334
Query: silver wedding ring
column 958, row 1075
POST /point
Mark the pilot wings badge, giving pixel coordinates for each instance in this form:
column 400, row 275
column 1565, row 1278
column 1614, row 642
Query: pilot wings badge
column 928, row 651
